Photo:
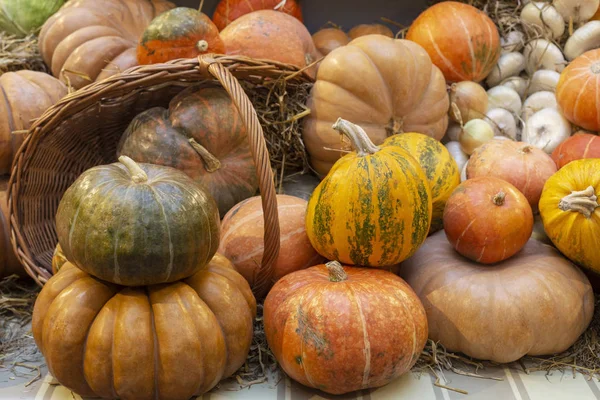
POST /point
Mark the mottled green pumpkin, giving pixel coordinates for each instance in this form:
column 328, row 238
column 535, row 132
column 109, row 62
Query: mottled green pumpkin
column 374, row 206
column 137, row 224
column 440, row 168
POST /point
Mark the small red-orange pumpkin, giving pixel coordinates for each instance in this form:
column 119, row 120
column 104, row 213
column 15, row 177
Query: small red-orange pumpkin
column 228, row 11
column 580, row 145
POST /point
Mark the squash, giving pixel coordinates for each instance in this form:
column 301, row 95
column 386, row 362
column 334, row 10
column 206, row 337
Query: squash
column 440, row 168
column 364, row 82
column 325, row 327
column 201, row 134
column 487, row 220
column 461, row 40
column 252, row 35
column 374, row 207
column 577, row 91
column 178, row 33
column 169, row 341
column 23, row 17
column 58, row 259
column 24, row 96
column 520, row 164
column 137, row 224
column 535, row 303
column 580, row 145
column 90, row 40
column 9, row 263
column 301, row 186
column 228, row 11
column 570, row 213
column 370, row 29
column 242, row 238
column 328, row 39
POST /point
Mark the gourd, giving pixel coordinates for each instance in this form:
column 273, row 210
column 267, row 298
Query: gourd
column 569, row 210
column 460, row 39
column 457, row 154
column 169, row 341
column 363, row 82
column 90, row 40
column 440, row 169
column 583, row 39
column 228, row 11
column 242, row 238
column 508, row 65
column 328, row 39
column 543, row 54
column 495, row 312
column 178, row 33
column 137, row 224
column 373, row 208
column 487, row 219
column 25, row 97
column 312, row 315
column 546, row 129
column 23, row 17
column 580, row 145
column 201, row 134
column 545, row 17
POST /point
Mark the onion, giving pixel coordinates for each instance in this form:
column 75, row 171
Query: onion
column 475, row 133
column 456, row 152
column 468, row 100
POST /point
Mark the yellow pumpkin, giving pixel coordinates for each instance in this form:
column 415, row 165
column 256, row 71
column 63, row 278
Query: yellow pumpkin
column 374, row 206
column 570, row 212
column 440, row 168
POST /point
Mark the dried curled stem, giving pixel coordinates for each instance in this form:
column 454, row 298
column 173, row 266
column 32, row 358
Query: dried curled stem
column 584, row 202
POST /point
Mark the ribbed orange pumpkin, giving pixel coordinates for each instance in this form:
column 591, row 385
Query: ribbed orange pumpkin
column 228, row 11
column 580, row 145
column 461, row 40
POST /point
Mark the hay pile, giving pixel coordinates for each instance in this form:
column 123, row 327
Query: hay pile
column 20, row 53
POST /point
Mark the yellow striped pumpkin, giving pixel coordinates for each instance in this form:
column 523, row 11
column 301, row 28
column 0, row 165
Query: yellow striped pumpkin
column 373, row 208
column 440, row 168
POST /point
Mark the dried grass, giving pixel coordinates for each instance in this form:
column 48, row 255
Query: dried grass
column 20, row 53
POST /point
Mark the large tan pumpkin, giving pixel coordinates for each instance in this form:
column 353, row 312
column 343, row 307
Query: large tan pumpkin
column 9, row 264
column 387, row 86
column 89, row 40
column 535, row 303
column 24, row 96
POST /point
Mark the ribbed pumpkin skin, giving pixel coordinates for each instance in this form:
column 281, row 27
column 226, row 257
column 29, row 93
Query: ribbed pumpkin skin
column 460, row 39
column 573, row 233
column 207, row 115
column 174, row 34
column 137, row 234
column 228, row 11
column 440, row 168
column 372, row 210
column 168, row 341
column 577, row 147
column 344, row 336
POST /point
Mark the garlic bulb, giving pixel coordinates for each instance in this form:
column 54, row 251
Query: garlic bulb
column 542, row 54
column 543, row 79
column 475, row 133
column 456, row 152
column 463, row 172
column 468, row 101
column 546, row 129
column 544, row 16
column 509, row 64
column 583, row 39
column 503, row 122
column 513, row 41
column 504, row 97
column 537, row 102
column 577, row 10
column 516, row 83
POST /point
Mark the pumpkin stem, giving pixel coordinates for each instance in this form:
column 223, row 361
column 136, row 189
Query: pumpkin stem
column 499, row 197
column 200, row 6
column 584, row 201
column 357, row 135
column 526, row 149
column 202, row 46
column 336, row 272
column 211, row 163
column 138, row 175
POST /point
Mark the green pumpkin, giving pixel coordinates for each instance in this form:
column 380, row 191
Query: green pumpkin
column 137, row 224
column 21, row 17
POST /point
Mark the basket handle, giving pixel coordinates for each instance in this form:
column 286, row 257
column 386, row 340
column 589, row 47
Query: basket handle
column 260, row 154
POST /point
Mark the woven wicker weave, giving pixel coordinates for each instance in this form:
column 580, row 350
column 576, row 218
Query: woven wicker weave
column 83, row 129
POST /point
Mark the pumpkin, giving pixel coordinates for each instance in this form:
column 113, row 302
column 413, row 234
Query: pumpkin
column 440, row 168
column 137, row 224
column 89, row 40
column 487, row 220
column 373, row 208
column 520, row 164
column 23, row 17
column 300, row 185
column 535, row 303
column 58, row 259
column 242, row 238
column 326, row 329
column 569, row 211
column 253, row 34
column 364, row 82
column 9, row 264
column 168, row 341
column 577, row 91
column 370, row 29
column 461, row 40
column 201, row 134
column 328, row 39
column 24, row 96
column 228, row 11
column 178, row 33
column 580, row 145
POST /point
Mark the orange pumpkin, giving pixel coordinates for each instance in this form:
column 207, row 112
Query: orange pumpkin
column 461, row 40
column 178, row 33
column 578, row 93
column 580, row 145
column 370, row 29
column 228, row 11
column 328, row 39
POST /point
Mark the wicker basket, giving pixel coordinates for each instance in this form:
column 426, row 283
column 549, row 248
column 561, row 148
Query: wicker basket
column 83, row 129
